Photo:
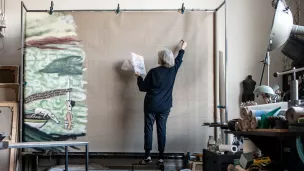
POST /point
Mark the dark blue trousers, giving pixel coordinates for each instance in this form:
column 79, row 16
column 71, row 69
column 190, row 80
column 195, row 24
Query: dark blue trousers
column 161, row 122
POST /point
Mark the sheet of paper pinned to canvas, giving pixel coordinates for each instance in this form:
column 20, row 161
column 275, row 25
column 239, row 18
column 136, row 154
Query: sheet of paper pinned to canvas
column 138, row 64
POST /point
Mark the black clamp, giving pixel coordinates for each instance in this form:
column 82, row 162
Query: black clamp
column 51, row 8
column 182, row 10
column 50, row 155
column 117, row 11
column 221, row 107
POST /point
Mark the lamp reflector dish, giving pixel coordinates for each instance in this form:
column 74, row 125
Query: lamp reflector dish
column 263, row 89
column 281, row 26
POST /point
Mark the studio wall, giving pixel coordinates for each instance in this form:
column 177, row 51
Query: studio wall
column 247, row 33
column 76, row 89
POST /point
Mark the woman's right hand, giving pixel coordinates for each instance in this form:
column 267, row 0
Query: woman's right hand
column 184, row 45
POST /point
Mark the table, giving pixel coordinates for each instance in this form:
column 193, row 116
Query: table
column 280, row 146
column 65, row 144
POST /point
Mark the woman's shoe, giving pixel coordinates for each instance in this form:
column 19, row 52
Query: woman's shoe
column 160, row 162
column 146, row 161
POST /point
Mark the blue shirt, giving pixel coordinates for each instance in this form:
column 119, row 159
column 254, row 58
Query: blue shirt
column 158, row 86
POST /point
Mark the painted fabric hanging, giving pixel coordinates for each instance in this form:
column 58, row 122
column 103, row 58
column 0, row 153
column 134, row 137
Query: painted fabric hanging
column 54, row 96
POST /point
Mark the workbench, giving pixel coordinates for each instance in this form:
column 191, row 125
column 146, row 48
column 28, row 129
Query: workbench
column 65, row 144
column 279, row 146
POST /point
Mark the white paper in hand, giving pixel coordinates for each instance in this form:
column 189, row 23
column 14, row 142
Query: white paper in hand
column 138, row 64
column 127, row 66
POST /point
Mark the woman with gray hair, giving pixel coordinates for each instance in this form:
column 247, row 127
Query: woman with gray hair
column 158, row 86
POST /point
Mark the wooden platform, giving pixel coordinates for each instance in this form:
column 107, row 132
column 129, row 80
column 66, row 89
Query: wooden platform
column 92, row 167
column 153, row 166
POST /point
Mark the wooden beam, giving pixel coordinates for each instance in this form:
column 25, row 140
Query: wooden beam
column 9, row 85
column 14, row 86
column 9, row 67
column 14, row 132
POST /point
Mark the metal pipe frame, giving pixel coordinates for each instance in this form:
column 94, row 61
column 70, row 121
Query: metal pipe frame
column 127, row 10
column 226, row 68
column 215, row 134
column 108, row 155
column 124, row 10
column 293, row 70
column 23, row 7
column 220, row 6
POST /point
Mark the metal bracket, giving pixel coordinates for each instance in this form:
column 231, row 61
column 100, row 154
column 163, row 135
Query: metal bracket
column 182, row 10
column 51, row 8
column 117, row 11
column 11, row 108
column 50, row 155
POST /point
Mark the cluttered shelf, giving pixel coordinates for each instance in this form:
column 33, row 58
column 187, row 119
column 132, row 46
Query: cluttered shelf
column 263, row 132
column 273, row 131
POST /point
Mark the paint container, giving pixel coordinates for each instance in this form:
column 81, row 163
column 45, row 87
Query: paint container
column 231, row 124
column 294, row 113
column 249, row 146
column 199, row 157
column 280, row 124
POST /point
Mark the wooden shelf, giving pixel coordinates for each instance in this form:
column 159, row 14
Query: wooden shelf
column 9, row 85
column 9, row 78
column 9, row 67
column 14, row 86
column 266, row 134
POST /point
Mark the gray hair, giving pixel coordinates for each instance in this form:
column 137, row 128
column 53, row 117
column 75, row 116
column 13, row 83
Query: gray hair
column 166, row 58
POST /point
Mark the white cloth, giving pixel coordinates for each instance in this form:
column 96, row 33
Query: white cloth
column 127, row 66
column 136, row 64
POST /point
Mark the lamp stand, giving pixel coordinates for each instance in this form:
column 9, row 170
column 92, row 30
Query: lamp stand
column 268, row 66
column 266, row 61
column 294, row 87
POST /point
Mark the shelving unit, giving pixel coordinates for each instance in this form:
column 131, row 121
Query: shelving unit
column 279, row 146
column 13, row 137
column 9, row 78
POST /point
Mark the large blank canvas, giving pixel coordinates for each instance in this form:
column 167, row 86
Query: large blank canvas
column 115, row 105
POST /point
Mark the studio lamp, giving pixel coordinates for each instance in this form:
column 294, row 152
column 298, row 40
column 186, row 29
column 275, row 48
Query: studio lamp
column 282, row 28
